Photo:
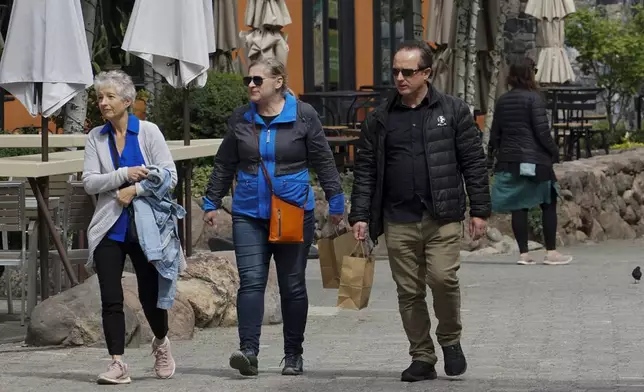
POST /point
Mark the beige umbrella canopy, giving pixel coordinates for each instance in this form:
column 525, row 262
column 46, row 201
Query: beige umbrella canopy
column 225, row 16
column 260, row 13
column 226, row 35
column 266, row 40
column 550, row 9
column 553, row 64
column 552, row 60
column 441, row 22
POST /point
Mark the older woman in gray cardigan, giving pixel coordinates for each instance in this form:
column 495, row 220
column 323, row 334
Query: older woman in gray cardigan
column 116, row 156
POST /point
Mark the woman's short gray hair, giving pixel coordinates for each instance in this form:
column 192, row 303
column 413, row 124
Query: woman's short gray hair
column 119, row 81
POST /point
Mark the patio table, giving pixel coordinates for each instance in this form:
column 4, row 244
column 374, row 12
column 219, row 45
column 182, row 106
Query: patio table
column 35, row 170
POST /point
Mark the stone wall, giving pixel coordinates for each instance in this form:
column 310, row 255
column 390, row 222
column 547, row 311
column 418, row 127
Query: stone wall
column 603, row 197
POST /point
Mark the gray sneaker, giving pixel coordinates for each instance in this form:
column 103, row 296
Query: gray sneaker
column 164, row 365
column 116, row 374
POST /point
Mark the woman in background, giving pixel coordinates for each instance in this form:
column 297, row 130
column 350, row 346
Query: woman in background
column 525, row 151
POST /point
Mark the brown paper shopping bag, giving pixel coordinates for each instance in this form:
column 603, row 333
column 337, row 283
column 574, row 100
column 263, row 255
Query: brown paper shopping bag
column 331, row 251
column 356, row 278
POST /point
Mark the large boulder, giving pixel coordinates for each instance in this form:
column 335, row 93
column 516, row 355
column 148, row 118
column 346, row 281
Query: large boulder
column 73, row 317
column 211, row 282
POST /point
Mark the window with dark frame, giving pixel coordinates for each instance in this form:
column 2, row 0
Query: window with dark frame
column 393, row 23
column 329, row 45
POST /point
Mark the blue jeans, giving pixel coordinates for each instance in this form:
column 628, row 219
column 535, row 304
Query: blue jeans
column 253, row 252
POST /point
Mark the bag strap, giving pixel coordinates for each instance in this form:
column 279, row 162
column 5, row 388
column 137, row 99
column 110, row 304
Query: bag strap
column 113, row 150
column 261, row 161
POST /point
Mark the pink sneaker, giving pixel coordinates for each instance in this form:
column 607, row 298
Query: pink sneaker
column 116, row 374
column 557, row 259
column 164, row 365
column 525, row 259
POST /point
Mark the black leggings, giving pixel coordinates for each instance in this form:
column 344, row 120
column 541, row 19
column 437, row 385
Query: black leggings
column 549, row 223
column 109, row 260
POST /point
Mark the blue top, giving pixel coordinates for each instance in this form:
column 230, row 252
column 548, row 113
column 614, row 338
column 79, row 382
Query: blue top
column 252, row 194
column 130, row 157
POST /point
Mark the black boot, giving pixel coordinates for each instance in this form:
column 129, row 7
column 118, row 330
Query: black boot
column 419, row 371
column 244, row 360
column 455, row 363
column 293, row 365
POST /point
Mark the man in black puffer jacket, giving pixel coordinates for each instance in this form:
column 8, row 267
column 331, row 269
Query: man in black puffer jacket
column 415, row 153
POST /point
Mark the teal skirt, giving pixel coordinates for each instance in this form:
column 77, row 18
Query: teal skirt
column 512, row 193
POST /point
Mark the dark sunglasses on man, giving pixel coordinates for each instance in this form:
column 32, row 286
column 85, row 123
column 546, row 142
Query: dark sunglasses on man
column 406, row 72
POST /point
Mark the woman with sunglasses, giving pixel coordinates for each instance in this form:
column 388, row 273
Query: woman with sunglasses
column 277, row 136
column 525, row 151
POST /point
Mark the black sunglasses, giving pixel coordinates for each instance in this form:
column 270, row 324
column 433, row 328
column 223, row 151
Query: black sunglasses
column 257, row 80
column 406, row 72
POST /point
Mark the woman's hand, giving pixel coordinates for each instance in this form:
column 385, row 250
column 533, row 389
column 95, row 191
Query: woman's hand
column 137, row 173
column 126, row 195
column 210, row 218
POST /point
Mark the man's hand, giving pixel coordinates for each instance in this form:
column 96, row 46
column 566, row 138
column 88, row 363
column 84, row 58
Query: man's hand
column 209, row 217
column 136, row 174
column 336, row 219
column 126, row 195
column 360, row 231
column 478, row 228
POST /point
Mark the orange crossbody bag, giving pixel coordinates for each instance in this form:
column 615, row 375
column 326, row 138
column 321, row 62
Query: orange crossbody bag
column 287, row 218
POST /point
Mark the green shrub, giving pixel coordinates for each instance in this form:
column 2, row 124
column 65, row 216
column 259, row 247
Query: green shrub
column 200, row 176
column 209, row 107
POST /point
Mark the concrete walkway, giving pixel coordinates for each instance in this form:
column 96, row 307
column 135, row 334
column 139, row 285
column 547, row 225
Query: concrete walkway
column 536, row 328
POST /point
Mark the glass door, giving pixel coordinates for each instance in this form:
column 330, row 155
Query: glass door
column 395, row 21
column 329, row 45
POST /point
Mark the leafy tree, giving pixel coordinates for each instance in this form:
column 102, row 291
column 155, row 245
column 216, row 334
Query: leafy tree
column 610, row 50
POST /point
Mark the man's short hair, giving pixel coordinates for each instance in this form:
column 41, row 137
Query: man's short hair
column 426, row 53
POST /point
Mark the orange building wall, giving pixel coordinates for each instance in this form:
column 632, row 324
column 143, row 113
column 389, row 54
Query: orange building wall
column 364, row 42
column 294, row 40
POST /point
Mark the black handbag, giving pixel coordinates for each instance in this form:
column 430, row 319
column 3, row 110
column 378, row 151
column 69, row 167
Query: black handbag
column 131, row 235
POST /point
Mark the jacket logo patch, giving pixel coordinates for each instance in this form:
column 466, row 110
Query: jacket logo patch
column 441, row 121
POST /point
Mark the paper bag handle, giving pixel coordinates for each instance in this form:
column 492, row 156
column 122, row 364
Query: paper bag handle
column 361, row 245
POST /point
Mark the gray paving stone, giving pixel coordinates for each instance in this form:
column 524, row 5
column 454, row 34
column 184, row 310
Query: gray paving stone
column 526, row 328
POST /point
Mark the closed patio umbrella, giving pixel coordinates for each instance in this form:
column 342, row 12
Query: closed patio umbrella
column 226, row 34
column 45, row 46
column 552, row 60
column 266, row 40
column 553, row 65
column 176, row 39
column 260, row 13
column 441, row 22
column 45, row 63
column 550, row 9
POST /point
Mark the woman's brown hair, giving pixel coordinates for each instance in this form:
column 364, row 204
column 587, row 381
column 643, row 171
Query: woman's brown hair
column 522, row 74
column 276, row 69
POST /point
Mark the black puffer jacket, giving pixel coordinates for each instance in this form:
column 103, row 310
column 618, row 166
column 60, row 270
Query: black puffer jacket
column 520, row 131
column 453, row 152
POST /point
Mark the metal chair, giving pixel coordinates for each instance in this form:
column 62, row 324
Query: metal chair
column 12, row 219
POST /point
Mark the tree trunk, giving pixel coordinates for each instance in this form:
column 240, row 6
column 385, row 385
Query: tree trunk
column 150, row 87
column 470, row 88
column 76, row 108
column 462, row 23
column 497, row 59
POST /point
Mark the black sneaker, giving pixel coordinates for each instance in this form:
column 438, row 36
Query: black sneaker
column 455, row 363
column 293, row 365
column 245, row 361
column 419, row 371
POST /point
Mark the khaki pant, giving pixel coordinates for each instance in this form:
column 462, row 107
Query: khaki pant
column 421, row 254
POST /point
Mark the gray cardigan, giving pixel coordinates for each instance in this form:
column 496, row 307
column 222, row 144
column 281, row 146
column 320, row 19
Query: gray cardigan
column 99, row 177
